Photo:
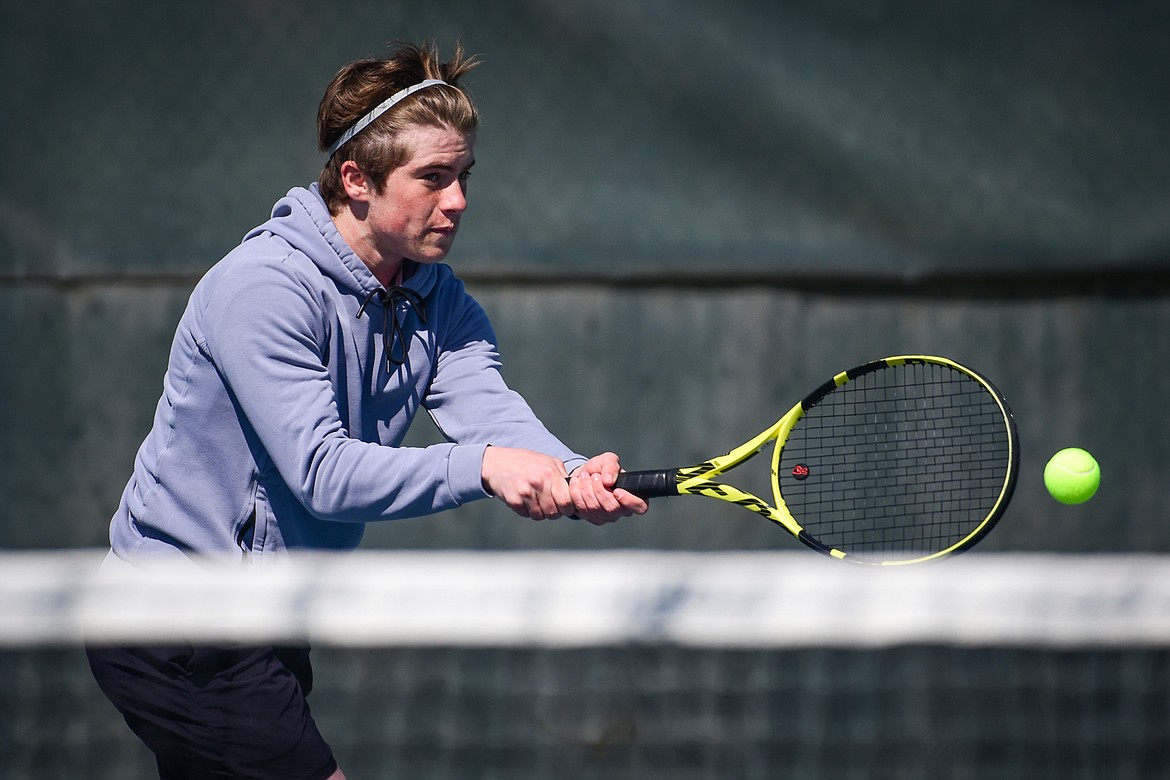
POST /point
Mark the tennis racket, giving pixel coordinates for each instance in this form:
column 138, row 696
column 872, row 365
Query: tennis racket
column 902, row 460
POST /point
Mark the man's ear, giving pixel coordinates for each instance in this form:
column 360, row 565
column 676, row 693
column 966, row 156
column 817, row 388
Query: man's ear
column 354, row 181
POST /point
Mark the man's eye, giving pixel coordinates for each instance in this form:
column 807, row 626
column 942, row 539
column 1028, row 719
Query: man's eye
column 465, row 176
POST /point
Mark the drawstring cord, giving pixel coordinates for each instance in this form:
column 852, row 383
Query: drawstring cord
column 391, row 329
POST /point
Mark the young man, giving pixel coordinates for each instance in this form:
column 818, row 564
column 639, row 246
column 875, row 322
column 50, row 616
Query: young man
column 295, row 372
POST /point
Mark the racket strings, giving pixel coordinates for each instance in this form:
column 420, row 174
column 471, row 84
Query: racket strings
column 904, row 461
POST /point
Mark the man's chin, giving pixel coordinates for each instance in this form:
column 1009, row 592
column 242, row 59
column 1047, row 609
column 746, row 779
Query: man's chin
column 434, row 254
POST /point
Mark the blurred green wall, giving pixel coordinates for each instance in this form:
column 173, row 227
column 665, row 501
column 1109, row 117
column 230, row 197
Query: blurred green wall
column 684, row 216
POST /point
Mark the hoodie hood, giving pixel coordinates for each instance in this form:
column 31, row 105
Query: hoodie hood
column 302, row 219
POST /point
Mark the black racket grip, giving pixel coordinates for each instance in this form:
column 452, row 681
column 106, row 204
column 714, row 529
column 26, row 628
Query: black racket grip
column 649, row 484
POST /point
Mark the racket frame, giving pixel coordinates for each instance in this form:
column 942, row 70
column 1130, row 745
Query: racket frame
column 698, row 480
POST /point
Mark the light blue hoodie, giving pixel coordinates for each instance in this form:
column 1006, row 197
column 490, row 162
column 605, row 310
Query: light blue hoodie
column 281, row 418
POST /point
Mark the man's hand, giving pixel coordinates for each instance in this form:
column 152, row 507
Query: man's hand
column 593, row 495
column 530, row 483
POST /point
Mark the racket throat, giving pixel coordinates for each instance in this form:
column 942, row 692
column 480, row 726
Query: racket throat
column 810, row 541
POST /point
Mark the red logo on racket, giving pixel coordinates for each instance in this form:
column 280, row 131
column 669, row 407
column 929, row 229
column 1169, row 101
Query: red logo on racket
column 800, row 471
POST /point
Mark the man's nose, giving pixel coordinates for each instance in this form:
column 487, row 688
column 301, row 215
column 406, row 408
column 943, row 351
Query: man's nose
column 454, row 198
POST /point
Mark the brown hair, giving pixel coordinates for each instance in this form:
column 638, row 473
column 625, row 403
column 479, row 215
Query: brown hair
column 361, row 85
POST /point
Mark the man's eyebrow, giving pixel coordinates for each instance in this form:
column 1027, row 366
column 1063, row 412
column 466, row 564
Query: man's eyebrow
column 443, row 166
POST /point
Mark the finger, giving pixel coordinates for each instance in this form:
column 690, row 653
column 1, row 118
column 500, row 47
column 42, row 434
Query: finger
column 582, row 504
column 605, row 506
column 610, row 469
column 540, row 510
column 561, row 495
column 581, row 493
column 635, row 504
column 606, row 500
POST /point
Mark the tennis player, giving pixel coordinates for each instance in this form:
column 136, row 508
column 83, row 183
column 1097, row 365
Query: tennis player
column 297, row 367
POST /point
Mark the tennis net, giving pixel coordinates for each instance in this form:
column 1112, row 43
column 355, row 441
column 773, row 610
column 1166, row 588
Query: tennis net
column 634, row 664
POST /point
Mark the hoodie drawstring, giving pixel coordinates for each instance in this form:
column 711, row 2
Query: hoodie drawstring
column 391, row 330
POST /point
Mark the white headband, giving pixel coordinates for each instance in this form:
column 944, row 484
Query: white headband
column 380, row 109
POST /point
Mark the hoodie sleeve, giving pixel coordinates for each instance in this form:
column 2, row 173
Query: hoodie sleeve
column 265, row 330
column 469, row 400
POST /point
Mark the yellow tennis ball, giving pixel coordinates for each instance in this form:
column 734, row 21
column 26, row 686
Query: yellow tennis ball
column 1072, row 476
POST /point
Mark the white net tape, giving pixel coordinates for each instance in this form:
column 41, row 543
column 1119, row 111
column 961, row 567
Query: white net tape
column 554, row 599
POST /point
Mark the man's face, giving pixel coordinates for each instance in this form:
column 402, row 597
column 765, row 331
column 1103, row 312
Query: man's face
column 417, row 214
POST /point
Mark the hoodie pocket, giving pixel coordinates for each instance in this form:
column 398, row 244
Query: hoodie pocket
column 254, row 534
column 246, row 536
column 260, row 532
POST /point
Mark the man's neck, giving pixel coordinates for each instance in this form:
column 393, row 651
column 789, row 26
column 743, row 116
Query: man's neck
column 387, row 271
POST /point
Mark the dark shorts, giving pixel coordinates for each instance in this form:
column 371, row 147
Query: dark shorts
column 218, row 712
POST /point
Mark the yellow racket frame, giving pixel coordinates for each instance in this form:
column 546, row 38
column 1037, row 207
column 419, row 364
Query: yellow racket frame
column 698, row 480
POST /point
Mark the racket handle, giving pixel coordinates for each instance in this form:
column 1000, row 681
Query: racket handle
column 649, row 484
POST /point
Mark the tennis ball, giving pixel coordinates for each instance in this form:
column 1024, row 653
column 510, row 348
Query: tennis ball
column 1072, row 476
